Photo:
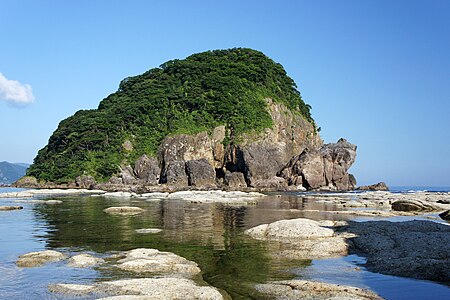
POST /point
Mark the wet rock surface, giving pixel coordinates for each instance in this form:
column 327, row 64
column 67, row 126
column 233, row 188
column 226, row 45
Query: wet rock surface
column 417, row 249
column 445, row 215
column 301, row 289
column 39, row 258
column 414, row 205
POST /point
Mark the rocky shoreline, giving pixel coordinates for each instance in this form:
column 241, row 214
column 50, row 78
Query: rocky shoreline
column 416, row 249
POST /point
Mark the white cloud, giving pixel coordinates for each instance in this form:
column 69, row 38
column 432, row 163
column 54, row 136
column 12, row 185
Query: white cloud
column 15, row 92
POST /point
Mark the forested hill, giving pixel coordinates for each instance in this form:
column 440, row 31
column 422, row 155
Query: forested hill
column 10, row 172
column 221, row 87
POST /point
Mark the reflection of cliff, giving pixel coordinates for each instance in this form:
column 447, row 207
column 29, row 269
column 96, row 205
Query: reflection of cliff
column 204, row 223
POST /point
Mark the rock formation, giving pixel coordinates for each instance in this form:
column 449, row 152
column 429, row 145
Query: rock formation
column 324, row 167
column 380, row 186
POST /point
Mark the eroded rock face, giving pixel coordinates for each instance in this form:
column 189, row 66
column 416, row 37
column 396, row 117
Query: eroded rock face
column 35, row 259
column 200, row 173
column 85, row 182
column 325, row 167
column 302, row 289
column 147, row 169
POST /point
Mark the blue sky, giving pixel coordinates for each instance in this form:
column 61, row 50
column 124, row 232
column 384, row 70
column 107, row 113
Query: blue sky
column 374, row 72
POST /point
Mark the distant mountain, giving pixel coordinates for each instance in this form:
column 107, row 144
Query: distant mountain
column 10, row 172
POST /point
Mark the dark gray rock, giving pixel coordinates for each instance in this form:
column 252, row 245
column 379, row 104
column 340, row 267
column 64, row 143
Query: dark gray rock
column 380, row 186
column 234, row 179
column 445, row 216
column 417, row 249
column 175, row 174
column 147, row 169
column 200, row 173
column 85, row 182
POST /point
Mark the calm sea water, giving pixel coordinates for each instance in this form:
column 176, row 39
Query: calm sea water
column 209, row 234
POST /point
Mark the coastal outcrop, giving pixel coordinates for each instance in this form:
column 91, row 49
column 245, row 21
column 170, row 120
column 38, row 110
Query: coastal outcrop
column 325, row 167
column 380, row 186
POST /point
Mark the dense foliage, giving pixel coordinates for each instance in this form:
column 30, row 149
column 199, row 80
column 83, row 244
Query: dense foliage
column 222, row 87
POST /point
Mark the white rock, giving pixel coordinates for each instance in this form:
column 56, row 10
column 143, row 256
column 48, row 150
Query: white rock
column 84, row 260
column 148, row 230
column 124, row 210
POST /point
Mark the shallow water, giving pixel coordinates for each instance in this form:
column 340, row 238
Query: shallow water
column 209, row 234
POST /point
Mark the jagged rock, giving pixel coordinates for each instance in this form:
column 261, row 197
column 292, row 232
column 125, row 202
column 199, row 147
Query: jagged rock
column 175, row 174
column 127, row 175
column 234, row 179
column 85, row 182
column 10, row 207
column 124, row 210
column 302, row 289
column 414, row 205
column 35, row 259
column 147, row 169
column 115, row 180
column 84, row 260
column 200, row 173
column 380, row 186
column 445, row 215
column 325, row 167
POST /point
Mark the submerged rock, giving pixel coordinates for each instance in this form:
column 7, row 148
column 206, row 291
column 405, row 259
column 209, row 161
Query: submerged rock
column 144, row 260
column 124, row 210
column 84, row 260
column 148, row 230
column 10, row 207
column 142, row 288
column 302, row 289
column 35, row 259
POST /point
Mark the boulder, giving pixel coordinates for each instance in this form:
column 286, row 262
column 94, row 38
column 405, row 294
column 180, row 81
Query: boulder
column 175, row 174
column 234, row 179
column 380, row 186
column 414, row 205
column 147, row 169
column 85, row 182
column 302, row 289
column 445, row 215
column 84, row 260
column 127, row 175
column 35, row 259
column 200, row 173
column 326, row 167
